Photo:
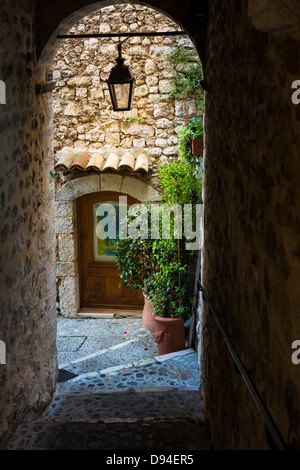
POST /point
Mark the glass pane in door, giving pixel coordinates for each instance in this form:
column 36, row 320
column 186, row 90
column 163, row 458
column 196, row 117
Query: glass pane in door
column 105, row 230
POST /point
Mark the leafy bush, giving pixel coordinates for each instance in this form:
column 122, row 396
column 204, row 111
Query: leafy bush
column 160, row 266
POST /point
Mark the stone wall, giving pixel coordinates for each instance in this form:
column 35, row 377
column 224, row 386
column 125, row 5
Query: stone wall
column 252, row 262
column 83, row 115
column 27, row 277
column 84, row 119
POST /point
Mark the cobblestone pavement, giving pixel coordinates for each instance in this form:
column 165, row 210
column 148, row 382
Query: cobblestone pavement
column 115, row 393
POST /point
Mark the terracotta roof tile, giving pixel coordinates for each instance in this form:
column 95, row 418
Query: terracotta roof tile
column 95, row 162
column 112, row 162
column 69, row 159
column 127, row 161
column 81, row 161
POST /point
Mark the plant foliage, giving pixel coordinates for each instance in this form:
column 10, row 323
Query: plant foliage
column 186, row 74
column 188, row 131
column 161, row 266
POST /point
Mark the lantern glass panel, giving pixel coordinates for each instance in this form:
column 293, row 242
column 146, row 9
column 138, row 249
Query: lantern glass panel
column 122, row 94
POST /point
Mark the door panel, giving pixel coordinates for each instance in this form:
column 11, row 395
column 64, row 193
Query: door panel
column 99, row 275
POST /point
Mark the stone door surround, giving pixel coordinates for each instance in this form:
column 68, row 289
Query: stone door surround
column 67, row 272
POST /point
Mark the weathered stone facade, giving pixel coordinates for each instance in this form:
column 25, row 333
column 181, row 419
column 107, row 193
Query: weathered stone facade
column 83, row 115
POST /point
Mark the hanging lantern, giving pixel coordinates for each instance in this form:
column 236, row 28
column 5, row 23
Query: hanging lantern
column 121, row 85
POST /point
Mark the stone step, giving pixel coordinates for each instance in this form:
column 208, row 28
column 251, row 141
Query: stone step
column 140, row 435
column 114, row 392
column 169, row 371
column 72, row 349
column 112, row 405
column 118, row 420
column 137, row 349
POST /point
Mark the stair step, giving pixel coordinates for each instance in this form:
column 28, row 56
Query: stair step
column 114, row 393
column 114, row 420
column 137, row 349
column 177, row 370
column 158, row 435
column 103, row 405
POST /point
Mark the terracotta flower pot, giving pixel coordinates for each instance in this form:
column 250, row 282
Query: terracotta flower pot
column 147, row 316
column 169, row 335
column 197, row 146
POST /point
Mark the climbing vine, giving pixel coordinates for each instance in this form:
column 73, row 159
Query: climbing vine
column 186, row 74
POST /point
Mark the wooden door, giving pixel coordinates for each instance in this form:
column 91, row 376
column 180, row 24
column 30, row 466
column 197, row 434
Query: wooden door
column 99, row 275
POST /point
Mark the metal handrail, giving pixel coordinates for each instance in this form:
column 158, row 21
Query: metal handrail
column 271, row 428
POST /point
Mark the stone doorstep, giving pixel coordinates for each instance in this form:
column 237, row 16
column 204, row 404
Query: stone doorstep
column 107, row 316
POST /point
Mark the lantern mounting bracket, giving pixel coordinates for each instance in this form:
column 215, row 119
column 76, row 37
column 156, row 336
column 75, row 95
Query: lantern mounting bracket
column 126, row 35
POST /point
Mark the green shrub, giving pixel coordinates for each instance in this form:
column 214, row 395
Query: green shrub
column 162, row 267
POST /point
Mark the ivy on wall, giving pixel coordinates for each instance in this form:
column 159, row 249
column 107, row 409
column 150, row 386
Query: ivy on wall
column 186, row 74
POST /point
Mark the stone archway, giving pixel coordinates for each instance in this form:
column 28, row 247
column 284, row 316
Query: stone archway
column 67, row 273
column 55, row 21
column 28, row 234
column 101, row 131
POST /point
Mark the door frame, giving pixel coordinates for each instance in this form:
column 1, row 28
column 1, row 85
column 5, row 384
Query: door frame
column 86, row 249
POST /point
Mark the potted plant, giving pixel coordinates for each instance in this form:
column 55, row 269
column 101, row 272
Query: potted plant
column 136, row 263
column 159, row 269
column 190, row 139
column 170, row 296
column 161, row 266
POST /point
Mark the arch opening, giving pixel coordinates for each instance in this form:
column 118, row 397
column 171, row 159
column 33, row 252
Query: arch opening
column 84, row 122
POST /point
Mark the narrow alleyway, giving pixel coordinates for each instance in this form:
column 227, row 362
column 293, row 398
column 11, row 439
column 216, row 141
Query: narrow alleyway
column 115, row 393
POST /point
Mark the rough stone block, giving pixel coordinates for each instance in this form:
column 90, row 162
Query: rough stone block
column 69, row 296
column 139, row 190
column 111, row 182
column 63, row 269
column 64, row 225
column 80, row 81
column 63, row 209
column 186, row 109
column 162, row 110
column 150, row 67
column 66, row 247
column 73, row 109
column 164, row 123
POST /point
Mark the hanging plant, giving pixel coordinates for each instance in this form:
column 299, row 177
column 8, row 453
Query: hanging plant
column 189, row 133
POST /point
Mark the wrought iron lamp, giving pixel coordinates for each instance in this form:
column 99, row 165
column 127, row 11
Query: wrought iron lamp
column 121, row 84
